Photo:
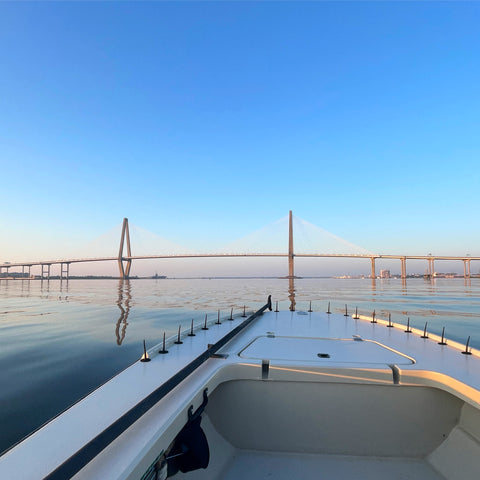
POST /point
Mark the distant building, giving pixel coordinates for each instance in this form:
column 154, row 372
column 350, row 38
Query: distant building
column 384, row 273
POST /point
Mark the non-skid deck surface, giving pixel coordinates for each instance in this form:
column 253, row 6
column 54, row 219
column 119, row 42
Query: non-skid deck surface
column 280, row 466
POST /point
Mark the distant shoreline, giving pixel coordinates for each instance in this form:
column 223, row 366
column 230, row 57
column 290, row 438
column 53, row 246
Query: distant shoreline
column 342, row 277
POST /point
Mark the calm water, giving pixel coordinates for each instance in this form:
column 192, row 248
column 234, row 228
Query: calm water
column 58, row 341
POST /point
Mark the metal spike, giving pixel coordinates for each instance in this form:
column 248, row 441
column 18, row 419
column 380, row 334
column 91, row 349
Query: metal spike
column 373, row 318
column 276, row 307
column 205, row 324
column 346, row 311
column 408, row 330
column 191, row 334
column 467, row 351
column 231, row 314
column 425, row 334
column 145, row 357
column 163, row 350
column 390, row 325
column 442, row 341
column 178, row 342
column 356, row 317
column 244, row 314
column 310, row 308
column 328, row 309
column 218, row 319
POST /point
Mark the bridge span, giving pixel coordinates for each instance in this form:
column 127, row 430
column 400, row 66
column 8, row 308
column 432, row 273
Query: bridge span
column 125, row 259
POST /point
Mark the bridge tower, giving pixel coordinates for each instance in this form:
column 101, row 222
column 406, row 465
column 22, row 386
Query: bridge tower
column 125, row 268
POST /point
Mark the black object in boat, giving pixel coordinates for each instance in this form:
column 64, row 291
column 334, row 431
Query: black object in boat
column 269, row 303
column 190, row 448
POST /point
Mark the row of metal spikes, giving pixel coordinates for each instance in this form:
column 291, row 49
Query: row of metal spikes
column 390, row 325
column 146, row 358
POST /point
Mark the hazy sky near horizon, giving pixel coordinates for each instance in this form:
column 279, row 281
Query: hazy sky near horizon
column 204, row 121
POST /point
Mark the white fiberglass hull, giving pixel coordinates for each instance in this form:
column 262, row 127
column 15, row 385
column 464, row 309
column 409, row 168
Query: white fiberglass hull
column 291, row 395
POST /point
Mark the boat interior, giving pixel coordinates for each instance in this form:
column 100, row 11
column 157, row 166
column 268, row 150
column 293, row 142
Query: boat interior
column 309, row 430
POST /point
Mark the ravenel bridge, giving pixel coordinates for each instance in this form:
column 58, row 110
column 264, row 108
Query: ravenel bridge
column 124, row 258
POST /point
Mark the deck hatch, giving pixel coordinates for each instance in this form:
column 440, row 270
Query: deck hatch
column 323, row 350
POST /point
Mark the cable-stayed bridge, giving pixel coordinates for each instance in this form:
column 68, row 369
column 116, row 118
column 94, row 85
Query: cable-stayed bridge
column 270, row 241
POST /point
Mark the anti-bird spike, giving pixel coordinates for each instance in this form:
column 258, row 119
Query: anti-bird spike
column 205, row 324
column 425, row 334
column 467, row 351
column 328, row 309
column 178, row 342
column 163, row 350
column 442, row 341
column 408, row 330
column 145, row 357
column 218, row 319
column 191, row 334
column 390, row 325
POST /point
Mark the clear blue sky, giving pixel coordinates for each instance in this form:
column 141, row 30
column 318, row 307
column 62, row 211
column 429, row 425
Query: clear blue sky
column 203, row 122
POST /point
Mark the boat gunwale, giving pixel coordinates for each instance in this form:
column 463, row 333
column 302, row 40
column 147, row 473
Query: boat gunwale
column 84, row 455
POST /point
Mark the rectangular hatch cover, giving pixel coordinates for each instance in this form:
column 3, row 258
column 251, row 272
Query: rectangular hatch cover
column 323, row 351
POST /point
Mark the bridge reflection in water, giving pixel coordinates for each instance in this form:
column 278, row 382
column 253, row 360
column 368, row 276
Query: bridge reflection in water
column 124, row 304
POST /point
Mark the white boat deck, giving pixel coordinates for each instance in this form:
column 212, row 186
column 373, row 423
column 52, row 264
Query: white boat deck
column 296, row 346
column 294, row 339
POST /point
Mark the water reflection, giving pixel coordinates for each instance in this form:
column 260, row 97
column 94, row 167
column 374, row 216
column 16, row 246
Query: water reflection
column 291, row 294
column 63, row 290
column 124, row 304
column 25, row 291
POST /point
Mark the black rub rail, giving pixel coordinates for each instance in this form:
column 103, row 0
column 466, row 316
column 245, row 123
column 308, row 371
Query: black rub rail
column 88, row 452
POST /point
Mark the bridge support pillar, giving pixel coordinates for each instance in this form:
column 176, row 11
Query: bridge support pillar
column 431, row 267
column 124, row 269
column 23, row 270
column 466, row 268
column 45, row 271
column 404, row 267
column 64, row 270
column 373, row 274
